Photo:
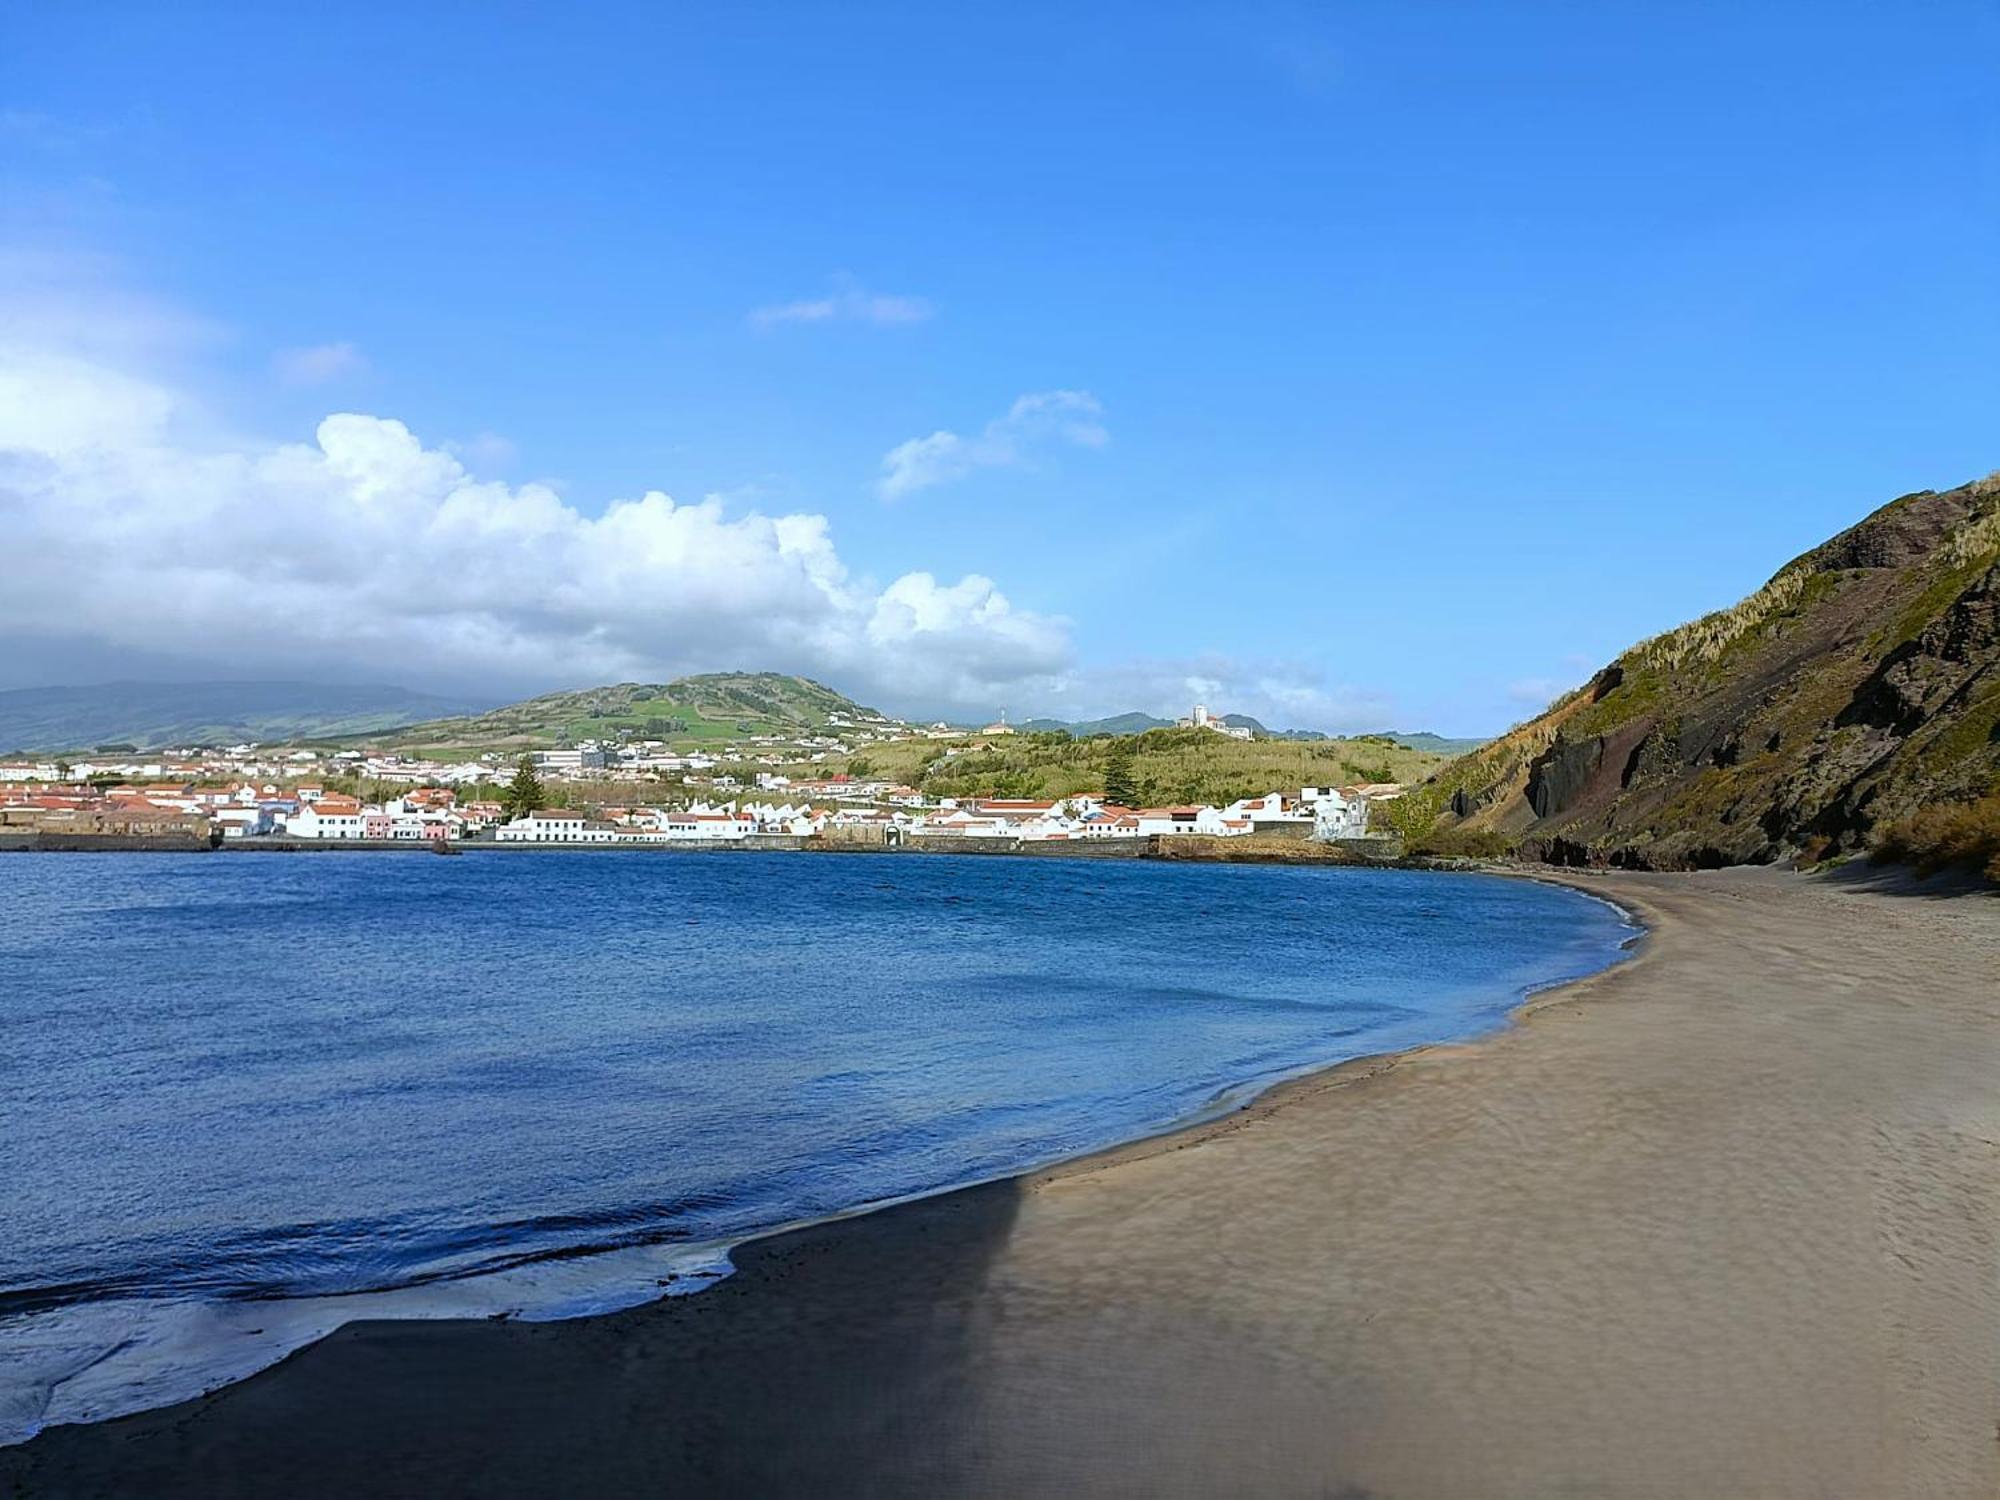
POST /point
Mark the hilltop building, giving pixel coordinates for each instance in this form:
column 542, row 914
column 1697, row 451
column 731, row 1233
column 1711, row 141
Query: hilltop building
column 1201, row 718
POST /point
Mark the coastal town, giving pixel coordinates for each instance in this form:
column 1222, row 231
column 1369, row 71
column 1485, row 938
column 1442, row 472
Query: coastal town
column 771, row 790
column 288, row 804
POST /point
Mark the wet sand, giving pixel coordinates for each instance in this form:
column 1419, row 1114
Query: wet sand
column 1724, row 1221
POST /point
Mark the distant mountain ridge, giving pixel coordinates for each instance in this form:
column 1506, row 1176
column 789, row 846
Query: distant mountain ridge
column 1444, row 744
column 1132, row 723
column 1139, row 723
column 1858, row 685
column 151, row 715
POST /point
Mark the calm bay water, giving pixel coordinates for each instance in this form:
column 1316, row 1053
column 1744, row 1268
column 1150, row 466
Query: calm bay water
column 245, row 1098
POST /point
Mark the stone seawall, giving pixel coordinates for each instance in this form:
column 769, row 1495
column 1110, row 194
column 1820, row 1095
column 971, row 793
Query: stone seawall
column 103, row 843
column 1259, row 848
column 1246, row 849
column 1090, row 848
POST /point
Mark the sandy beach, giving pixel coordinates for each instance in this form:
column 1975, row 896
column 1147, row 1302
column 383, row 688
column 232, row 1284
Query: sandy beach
column 1724, row 1221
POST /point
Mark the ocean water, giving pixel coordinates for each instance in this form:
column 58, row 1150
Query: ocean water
column 244, row 1098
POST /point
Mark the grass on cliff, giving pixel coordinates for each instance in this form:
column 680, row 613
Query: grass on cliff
column 1946, row 835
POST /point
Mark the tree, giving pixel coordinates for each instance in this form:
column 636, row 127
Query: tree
column 1119, row 785
column 524, row 792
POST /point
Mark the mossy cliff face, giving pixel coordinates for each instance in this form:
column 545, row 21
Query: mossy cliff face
column 1860, row 683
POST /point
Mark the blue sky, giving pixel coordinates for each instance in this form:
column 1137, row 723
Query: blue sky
column 1348, row 365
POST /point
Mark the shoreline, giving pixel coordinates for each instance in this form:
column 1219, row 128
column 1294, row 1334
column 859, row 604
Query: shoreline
column 1316, row 1079
column 483, row 1295
column 1268, row 1093
column 1270, row 1299
column 1163, row 848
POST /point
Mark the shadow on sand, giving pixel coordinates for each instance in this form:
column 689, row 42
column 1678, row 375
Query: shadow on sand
column 808, row 1372
column 1901, row 880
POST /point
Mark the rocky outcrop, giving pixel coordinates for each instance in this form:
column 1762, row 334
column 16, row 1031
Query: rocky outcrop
column 1557, row 776
column 1920, row 677
column 1901, row 533
column 1862, row 682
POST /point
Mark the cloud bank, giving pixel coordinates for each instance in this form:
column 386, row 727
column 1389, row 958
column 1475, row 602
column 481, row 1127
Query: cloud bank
column 1035, row 420
column 368, row 551
column 147, row 533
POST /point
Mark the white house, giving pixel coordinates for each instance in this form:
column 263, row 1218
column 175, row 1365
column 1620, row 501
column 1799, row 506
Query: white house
column 1270, row 805
column 784, row 817
column 1208, row 821
column 1335, row 816
column 968, row 824
column 309, row 822
column 1109, row 823
column 544, row 826
column 704, row 825
column 241, row 822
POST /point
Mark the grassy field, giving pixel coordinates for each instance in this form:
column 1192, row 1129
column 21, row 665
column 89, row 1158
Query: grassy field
column 1167, row 765
column 691, row 713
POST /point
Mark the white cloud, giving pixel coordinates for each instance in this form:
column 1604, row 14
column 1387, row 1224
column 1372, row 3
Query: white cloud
column 1033, row 421
column 849, row 301
column 318, row 363
column 72, row 301
column 162, row 537
column 365, row 550
column 922, row 462
column 61, row 404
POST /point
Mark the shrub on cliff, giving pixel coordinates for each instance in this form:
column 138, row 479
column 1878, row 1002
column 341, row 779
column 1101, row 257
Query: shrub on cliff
column 1951, row 833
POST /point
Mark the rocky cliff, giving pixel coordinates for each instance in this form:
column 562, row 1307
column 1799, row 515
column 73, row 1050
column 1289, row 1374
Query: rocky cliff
column 1860, row 683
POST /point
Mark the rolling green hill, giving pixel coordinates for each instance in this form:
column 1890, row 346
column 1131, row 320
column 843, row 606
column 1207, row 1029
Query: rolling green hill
column 713, row 707
column 1443, row 744
column 1167, row 765
column 1859, row 685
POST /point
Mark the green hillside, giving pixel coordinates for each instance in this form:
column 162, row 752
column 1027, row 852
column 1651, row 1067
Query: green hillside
column 1858, row 686
column 1443, row 744
column 1166, row 765
column 713, row 707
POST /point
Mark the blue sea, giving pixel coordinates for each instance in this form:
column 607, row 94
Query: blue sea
column 245, row 1098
